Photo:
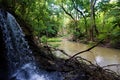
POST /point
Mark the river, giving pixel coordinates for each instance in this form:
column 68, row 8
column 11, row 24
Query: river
column 99, row 55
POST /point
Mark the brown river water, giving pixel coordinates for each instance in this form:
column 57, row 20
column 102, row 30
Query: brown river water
column 99, row 55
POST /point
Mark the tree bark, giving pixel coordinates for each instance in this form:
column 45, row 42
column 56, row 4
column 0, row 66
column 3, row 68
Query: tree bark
column 93, row 28
column 85, row 20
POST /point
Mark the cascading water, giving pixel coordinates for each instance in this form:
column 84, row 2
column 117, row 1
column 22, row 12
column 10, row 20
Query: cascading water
column 22, row 64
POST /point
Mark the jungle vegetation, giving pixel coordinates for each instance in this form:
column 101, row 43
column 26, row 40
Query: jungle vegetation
column 87, row 20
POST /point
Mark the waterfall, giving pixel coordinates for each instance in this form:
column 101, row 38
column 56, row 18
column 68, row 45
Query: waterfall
column 22, row 64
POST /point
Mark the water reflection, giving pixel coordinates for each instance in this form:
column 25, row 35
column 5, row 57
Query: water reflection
column 99, row 59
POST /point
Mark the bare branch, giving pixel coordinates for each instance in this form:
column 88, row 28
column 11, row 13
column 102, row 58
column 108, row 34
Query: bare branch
column 86, row 49
column 111, row 65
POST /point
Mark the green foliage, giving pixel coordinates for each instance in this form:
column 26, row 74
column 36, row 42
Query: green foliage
column 43, row 39
column 102, row 36
column 116, row 35
column 43, row 17
column 47, row 17
column 54, row 40
column 54, row 45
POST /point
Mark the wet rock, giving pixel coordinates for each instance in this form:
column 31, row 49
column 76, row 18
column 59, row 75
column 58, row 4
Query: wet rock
column 3, row 60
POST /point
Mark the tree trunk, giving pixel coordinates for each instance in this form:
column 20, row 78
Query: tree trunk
column 93, row 28
column 85, row 20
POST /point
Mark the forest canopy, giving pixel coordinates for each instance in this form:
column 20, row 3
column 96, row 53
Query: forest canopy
column 91, row 20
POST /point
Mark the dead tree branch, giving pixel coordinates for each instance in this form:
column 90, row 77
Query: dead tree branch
column 86, row 50
column 111, row 65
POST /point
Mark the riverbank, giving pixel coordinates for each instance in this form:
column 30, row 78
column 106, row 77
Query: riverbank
column 105, row 43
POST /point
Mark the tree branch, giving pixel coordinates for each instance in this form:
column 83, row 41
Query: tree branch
column 111, row 65
column 81, row 14
column 56, row 49
column 94, row 2
column 67, row 12
column 78, row 9
column 75, row 7
column 86, row 50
